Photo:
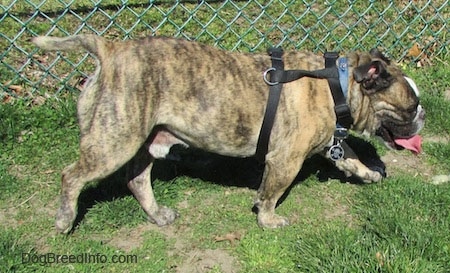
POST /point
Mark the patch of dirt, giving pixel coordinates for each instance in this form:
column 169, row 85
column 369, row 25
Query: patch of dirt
column 194, row 259
column 332, row 206
column 205, row 260
column 18, row 171
column 403, row 162
column 437, row 139
column 8, row 217
column 337, row 210
column 35, row 204
column 128, row 239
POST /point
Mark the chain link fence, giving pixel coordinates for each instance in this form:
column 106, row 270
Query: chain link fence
column 408, row 31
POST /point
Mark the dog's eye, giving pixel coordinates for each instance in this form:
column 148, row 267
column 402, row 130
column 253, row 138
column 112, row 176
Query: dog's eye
column 413, row 109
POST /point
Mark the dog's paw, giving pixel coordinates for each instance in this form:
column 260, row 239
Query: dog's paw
column 272, row 220
column 64, row 221
column 372, row 177
column 164, row 216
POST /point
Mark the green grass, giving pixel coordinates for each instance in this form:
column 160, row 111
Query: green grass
column 398, row 225
column 337, row 227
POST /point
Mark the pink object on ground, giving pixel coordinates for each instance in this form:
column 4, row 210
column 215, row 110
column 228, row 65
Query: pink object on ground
column 413, row 144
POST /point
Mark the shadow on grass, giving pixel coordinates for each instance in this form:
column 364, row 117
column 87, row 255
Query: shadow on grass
column 246, row 172
column 222, row 170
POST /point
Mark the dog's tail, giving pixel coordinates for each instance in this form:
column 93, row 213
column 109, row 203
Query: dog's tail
column 91, row 43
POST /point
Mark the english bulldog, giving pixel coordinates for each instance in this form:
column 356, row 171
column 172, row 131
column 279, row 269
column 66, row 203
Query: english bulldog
column 149, row 94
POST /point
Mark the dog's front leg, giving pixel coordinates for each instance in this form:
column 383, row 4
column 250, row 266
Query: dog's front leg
column 351, row 165
column 279, row 173
column 138, row 171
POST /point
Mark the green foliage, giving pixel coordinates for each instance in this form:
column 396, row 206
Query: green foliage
column 399, row 225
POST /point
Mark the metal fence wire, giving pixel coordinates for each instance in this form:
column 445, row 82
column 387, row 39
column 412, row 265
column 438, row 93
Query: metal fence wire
column 408, row 31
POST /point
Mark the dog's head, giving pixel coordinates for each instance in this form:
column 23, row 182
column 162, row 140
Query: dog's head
column 393, row 97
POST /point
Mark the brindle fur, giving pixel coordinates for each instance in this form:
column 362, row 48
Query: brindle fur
column 149, row 94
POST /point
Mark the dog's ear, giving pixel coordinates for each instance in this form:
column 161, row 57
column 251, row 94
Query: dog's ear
column 373, row 76
column 376, row 54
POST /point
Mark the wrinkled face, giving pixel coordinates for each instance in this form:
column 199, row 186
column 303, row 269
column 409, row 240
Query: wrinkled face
column 394, row 99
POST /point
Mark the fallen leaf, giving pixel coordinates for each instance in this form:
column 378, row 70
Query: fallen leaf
column 16, row 88
column 380, row 258
column 414, row 51
column 421, row 54
column 7, row 99
column 13, row 87
column 82, row 83
column 38, row 100
column 447, row 94
column 43, row 59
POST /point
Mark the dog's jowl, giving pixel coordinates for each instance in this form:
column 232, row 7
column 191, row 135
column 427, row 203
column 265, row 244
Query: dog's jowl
column 149, row 94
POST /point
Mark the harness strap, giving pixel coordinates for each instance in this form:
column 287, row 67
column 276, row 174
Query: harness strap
column 331, row 73
column 278, row 76
column 341, row 108
column 262, row 147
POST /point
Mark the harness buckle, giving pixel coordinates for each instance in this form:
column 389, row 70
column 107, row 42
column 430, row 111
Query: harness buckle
column 340, row 133
column 267, row 81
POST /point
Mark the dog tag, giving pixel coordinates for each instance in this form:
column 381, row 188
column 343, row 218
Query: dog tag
column 336, row 152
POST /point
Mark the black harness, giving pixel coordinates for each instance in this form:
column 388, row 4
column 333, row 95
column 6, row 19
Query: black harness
column 278, row 76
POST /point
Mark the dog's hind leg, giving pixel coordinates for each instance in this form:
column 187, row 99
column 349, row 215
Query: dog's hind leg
column 74, row 177
column 138, row 172
column 157, row 146
column 98, row 159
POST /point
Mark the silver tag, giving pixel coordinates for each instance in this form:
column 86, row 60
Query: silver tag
column 336, row 152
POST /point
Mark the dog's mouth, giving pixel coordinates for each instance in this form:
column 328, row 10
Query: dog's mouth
column 403, row 135
column 412, row 142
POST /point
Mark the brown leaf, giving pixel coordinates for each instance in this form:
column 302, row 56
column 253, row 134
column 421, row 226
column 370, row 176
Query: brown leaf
column 38, row 100
column 13, row 87
column 43, row 59
column 414, row 51
column 447, row 94
column 380, row 258
column 7, row 99
column 16, row 88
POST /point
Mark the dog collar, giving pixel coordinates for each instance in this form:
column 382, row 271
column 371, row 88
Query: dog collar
column 337, row 151
column 343, row 75
column 338, row 84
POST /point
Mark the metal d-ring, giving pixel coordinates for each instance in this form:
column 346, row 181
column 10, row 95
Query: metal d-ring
column 265, row 77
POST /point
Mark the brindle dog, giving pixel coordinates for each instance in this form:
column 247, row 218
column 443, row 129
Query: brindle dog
column 150, row 94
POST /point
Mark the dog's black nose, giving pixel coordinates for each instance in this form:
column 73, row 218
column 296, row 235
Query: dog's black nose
column 380, row 169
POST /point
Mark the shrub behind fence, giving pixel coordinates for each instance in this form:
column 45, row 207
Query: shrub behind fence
column 405, row 30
